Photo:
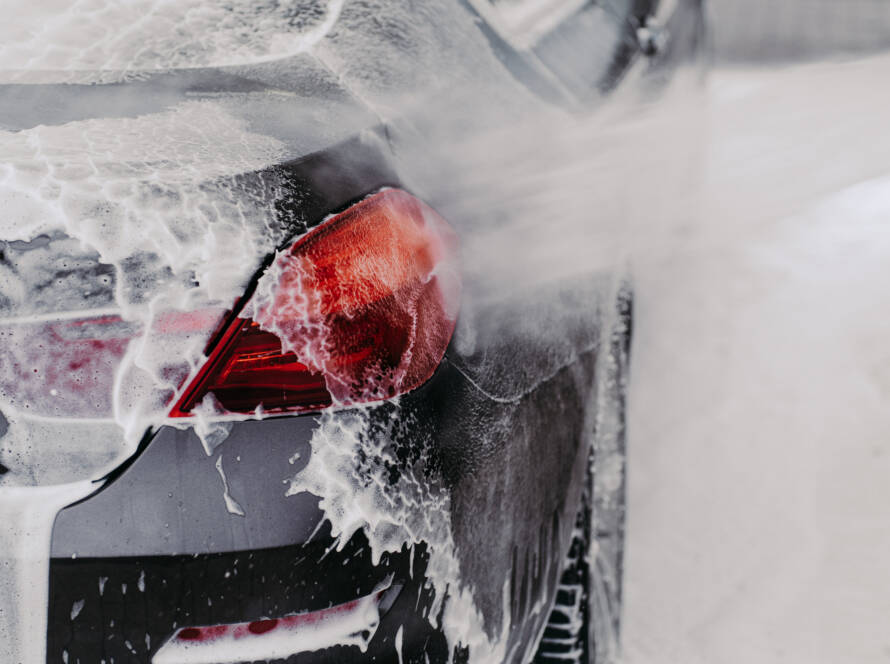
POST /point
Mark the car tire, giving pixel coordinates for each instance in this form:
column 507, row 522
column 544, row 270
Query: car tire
column 583, row 625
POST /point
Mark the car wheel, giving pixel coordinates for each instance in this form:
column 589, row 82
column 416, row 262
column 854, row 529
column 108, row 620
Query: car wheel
column 583, row 625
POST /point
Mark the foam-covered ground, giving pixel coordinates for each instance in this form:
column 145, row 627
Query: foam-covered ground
column 759, row 446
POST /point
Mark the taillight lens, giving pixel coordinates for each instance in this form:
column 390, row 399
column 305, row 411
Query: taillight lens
column 66, row 366
column 62, row 367
column 360, row 309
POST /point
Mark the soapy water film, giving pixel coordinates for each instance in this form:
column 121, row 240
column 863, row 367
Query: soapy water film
column 156, row 207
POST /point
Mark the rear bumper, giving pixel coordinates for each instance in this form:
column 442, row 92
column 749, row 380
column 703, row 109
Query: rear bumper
column 157, row 550
column 127, row 609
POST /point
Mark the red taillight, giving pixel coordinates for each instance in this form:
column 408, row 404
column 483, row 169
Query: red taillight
column 62, row 367
column 66, row 366
column 358, row 310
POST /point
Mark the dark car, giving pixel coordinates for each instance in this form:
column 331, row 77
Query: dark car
column 255, row 405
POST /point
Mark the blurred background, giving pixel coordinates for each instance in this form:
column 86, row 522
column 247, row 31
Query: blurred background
column 759, row 462
column 774, row 31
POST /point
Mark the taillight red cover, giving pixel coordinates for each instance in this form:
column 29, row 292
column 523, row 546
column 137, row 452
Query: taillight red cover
column 360, row 309
column 62, row 367
column 67, row 366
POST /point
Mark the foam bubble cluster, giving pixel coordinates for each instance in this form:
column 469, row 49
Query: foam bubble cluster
column 93, row 35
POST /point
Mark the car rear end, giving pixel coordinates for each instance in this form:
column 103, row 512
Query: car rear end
column 255, row 407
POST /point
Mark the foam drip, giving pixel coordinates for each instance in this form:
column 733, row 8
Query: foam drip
column 27, row 516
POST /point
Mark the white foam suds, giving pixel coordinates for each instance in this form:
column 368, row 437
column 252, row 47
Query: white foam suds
column 412, row 510
column 231, row 504
column 211, row 429
column 26, row 520
column 98, row 35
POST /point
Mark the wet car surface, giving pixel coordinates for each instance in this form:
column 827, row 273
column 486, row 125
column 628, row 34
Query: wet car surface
column 414, row 486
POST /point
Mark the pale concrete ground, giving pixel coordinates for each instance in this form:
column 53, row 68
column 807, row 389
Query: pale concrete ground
column 759, row 503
